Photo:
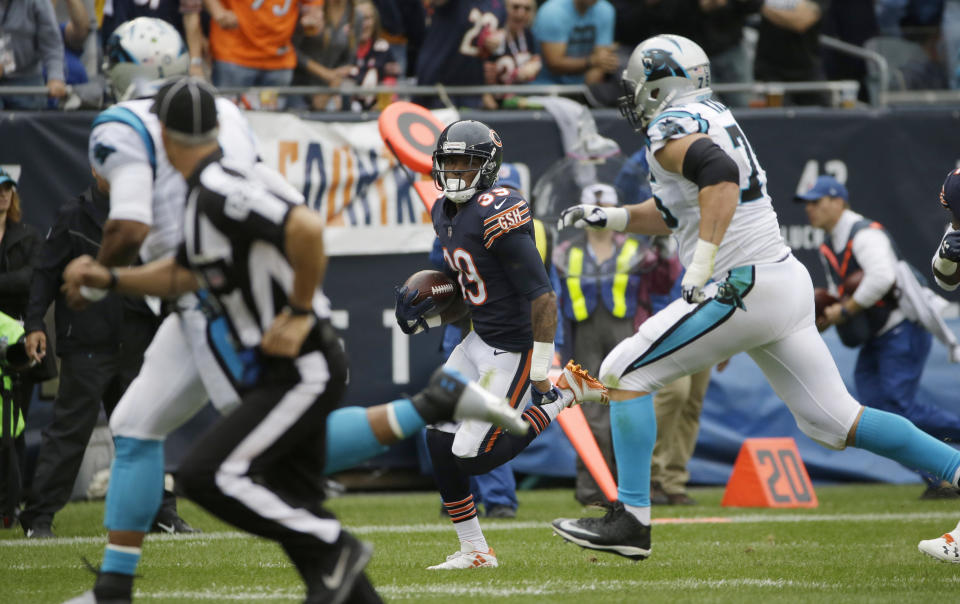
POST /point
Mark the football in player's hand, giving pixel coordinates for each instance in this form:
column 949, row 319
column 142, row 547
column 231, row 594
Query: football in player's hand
column 851, row 283
column 436, row 284
column 822, row 299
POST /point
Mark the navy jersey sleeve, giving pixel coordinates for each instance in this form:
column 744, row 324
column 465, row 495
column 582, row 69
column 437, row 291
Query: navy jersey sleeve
column 504, row 212
column 524, row 269
column 508, row 233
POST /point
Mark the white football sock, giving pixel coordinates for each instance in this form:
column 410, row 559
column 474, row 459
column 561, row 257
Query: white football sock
column 640, row 513
column 469, row 531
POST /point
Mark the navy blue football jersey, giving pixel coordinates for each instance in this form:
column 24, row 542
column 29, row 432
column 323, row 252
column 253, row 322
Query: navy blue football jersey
column 452, row 52
column 117, row 12
column 489, row 243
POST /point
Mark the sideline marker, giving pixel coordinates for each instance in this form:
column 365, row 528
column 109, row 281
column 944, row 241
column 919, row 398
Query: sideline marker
column 769, row 473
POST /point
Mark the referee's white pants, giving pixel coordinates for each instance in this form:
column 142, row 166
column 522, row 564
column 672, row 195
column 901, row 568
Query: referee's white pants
column 178, row 376
column 776, row 329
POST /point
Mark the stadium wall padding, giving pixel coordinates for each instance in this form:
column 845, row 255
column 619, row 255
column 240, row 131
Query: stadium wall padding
column 893, row 163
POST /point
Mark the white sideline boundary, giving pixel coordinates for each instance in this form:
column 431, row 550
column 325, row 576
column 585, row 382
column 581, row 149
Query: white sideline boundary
column 438, row 527
column 544, row 589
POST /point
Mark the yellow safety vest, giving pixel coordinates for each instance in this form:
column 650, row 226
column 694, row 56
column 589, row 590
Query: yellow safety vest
column 540, row 236
column 620, row 280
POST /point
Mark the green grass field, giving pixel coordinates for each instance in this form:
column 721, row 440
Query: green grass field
column 860, row 545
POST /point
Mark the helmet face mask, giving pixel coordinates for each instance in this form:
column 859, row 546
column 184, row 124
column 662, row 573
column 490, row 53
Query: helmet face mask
column 141, row 53
column 660, row 70
column 466, row 160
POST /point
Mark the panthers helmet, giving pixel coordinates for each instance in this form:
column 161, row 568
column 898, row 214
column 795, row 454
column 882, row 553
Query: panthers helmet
column 144, row 50
column 662, row 70
column 472, row 139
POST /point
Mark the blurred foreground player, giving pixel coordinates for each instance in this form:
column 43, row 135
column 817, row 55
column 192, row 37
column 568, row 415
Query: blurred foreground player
column 261, row 467
column 710, row 192
column 489, row 247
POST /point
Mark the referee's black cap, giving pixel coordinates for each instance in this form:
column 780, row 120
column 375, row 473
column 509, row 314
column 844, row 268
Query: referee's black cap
column 187, row 106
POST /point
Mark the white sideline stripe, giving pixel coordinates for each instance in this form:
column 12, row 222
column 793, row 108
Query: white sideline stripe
column 516, row 525
column 548, row 588
column 413, row 592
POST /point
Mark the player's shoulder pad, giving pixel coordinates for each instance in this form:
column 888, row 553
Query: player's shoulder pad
column 111, row 143
column 677, row 122
column 502, row 210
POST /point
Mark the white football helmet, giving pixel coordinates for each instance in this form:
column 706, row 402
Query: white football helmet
column 661, row 71
column 140, row 54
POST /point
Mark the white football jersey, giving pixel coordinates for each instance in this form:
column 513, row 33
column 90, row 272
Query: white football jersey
column 753, row 236
column 129, row 133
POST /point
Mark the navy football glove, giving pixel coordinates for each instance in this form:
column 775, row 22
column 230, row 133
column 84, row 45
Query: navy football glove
column 410, row 316
column 950, row 248
column 542, row 398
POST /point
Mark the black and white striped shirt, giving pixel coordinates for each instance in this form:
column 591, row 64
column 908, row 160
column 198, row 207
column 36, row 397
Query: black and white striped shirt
column 234, row 243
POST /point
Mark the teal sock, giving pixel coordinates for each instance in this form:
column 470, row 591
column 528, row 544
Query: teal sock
column 350, row 440
column 136, row 484
column 120, row 559
column 634, row 426
column 407, row 418
column 897, row 438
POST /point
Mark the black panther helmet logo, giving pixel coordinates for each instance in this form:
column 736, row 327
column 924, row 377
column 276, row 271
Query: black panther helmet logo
column 659, row 63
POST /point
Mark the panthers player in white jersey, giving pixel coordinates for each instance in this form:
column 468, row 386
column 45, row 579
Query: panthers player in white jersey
column 743, row 291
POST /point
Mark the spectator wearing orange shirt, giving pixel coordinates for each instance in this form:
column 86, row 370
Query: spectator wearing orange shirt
column 251, row 42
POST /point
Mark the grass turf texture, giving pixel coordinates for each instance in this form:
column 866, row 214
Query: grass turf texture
column 860, row 545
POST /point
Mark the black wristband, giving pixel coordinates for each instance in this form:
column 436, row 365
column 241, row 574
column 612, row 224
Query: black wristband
column 112, row 284
column 296, row 311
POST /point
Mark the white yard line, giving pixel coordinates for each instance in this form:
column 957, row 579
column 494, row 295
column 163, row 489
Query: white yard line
column 548, row 588
column 442, row 527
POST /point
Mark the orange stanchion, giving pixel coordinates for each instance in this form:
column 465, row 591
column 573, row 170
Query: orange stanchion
column 575, row 426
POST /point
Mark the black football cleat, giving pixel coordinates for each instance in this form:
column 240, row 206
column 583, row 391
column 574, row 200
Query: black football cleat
column 618, row 533
column 451, row 397
column 331, row 573
column 110, row 588
column 169, row 521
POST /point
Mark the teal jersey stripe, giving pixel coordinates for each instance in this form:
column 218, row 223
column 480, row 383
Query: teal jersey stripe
column 703, row 319
column 125, row 116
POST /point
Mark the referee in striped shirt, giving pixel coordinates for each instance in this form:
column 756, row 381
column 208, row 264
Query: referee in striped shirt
column 261, row 259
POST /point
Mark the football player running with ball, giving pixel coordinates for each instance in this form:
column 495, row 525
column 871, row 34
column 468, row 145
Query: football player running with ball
column 946, row 271
column 488, row 244
column 743, row 291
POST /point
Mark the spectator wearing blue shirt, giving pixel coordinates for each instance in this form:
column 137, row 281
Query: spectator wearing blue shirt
column 576, row 41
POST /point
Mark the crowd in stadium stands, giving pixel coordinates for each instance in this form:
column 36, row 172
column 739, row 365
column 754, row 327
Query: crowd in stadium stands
column 363, row 43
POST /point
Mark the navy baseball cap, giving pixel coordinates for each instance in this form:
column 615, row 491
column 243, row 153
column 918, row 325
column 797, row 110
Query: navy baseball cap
column 5, row 177
column 949, row 192
column 825, row 185
column 509, row 176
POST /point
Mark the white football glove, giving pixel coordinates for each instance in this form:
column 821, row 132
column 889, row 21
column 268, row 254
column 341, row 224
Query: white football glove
column 584, row 215
column 699, row 272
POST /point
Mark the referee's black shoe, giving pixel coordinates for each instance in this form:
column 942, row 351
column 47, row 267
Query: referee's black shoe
column 169, row 521
column 330, row 574
column 618, row 532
